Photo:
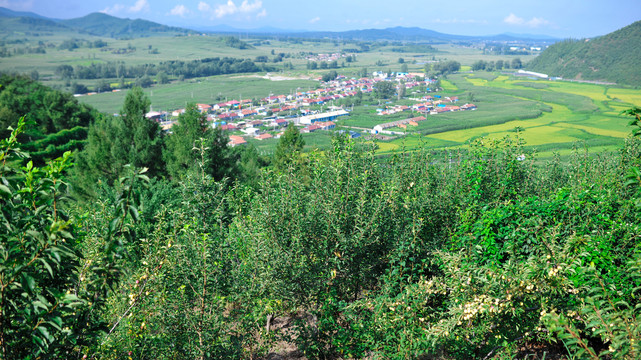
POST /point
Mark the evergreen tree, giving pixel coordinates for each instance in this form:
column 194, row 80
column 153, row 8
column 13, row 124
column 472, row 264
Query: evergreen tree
column 180, row 156
column 219, row 160
column 143, row 137
column 289, row 146
column 113, row 142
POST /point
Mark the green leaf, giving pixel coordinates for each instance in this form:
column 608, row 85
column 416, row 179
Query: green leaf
column 134, row 213
column 47, row 266
column 43, row 330
column 39, row 304
column 114, row 224
column 5, row 191
column 28, row 283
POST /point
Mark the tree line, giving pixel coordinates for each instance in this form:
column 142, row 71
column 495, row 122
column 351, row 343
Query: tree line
column 176, row 68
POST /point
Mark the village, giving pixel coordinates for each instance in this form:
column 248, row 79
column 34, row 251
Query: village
column 320, row 109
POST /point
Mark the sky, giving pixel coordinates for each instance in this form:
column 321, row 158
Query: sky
column 558, row 18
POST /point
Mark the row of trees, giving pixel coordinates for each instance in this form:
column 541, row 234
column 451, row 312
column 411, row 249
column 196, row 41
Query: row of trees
column 177, row 68
column 497, row 65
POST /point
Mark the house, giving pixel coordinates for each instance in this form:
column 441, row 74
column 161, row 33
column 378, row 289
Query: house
column 263, row 136
column 228, row 127
column 251, row 131
column 326, row 125
column 279, row 123
column 235, row 140
column 329, row 116
column 310, row 128
column 203, row 108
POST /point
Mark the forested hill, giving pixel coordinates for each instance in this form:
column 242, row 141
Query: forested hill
column 614, row 57
column 56, row 121
column 106, row 25
column 97, row 24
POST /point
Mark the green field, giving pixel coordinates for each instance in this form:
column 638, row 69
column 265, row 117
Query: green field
column 203, row 90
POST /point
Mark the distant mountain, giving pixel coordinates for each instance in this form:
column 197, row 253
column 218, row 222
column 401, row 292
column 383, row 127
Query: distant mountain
column 106, row 25
column 25, row 25
column 101, row 24
column 230, row 29
column 398, row 33
column 531, row 36
column 615, row 57
column 4, row 12
column 401, row 33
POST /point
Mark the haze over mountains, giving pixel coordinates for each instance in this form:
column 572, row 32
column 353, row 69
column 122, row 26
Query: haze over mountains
column 101, row 24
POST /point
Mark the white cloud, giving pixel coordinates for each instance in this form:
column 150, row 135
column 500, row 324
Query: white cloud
column 536, row 22
column 533, row 22
column 179, row 10
column 230, row 8
column 314, row 20
column 139, row 6
column 513, row 20
column 112, row 10
column 203, row 6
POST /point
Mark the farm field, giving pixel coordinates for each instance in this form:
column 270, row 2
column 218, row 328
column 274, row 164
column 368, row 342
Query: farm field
column 571, row 114
column 203, row 90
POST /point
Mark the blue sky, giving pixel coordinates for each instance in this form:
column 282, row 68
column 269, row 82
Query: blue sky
column 560, row 18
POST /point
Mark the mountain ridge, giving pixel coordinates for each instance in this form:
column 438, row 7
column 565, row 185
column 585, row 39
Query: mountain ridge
column 102, row 24
column 614, row 57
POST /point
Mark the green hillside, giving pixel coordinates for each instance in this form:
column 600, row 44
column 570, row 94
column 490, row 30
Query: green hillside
column 106, row 25
column 56, row 121
column 28, row 25
column 615, row 57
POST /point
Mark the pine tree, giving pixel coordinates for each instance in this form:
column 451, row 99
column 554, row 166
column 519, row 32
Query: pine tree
column 143, row 136
column 113, row 142
column 180, row 156
column 289, row 146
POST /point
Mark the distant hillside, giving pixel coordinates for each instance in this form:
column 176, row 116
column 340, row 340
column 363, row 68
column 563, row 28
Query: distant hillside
column 4, row 12
column 100, row 24
column 11, row 25
column 400, row 33
column 615, row 57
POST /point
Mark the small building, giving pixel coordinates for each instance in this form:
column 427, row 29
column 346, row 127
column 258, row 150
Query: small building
column 251, row 131
column 235, row 140
column 264, row 136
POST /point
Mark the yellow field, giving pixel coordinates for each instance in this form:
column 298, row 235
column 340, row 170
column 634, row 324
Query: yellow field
column 448, row 86
column 630, row 96
column 565, row 124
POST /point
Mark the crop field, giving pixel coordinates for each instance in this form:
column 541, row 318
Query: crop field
column 203, row 90
column 571, row 113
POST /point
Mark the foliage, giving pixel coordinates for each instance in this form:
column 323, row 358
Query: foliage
column 481, row 253
column 289, row 147
column 58, row 122
column 48, row 299
column 612, row 57
column 180, row 156
column 114, row 142
column 385, row 89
